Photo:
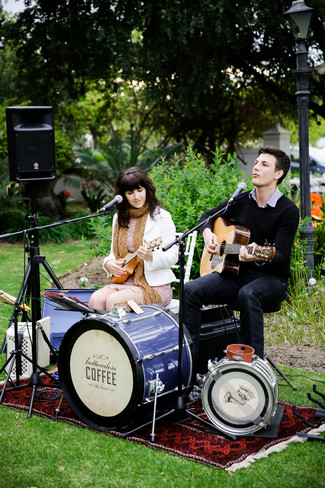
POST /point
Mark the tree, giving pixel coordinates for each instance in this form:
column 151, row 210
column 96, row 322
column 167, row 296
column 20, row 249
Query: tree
column 223, row 72
column 216, row 73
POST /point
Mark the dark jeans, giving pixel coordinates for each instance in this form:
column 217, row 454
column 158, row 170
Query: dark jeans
column 250, row 292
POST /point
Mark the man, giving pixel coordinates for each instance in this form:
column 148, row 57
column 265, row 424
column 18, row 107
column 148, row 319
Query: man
column 272, row 220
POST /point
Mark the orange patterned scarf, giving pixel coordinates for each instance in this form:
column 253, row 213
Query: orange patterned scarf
column 150, row 295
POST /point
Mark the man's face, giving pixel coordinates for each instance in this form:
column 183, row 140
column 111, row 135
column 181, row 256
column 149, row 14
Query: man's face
column 264, row 172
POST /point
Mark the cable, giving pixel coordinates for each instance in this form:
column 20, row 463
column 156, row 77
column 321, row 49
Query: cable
column 47, row 395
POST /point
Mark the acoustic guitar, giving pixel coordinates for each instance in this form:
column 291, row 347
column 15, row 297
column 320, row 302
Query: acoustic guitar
column 230, row 239
column 131, row 260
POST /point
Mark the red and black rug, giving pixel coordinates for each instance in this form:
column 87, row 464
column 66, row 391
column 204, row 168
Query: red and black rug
column 186, row 437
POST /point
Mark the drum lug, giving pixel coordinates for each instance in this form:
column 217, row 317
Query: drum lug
column 156, row 386
column 237, row 358
column 212, row 364
column 118, row 312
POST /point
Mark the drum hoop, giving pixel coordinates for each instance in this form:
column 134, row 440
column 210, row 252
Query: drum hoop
column 87, row 415
column 119, row 330
column 210, row 403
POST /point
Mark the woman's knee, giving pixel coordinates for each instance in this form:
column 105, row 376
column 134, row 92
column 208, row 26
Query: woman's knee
column 110, row 302
column 93, row 299
column 98, row 299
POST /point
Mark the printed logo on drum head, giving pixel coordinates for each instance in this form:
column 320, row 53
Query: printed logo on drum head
column 99, row 369
column 243, row 393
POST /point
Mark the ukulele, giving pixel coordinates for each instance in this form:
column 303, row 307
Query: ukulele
column 131, row 260
column 230, row 240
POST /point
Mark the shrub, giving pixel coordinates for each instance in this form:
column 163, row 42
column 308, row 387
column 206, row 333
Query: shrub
column 83, row 229
column 11, row 221
column 302, row 318
column 318, row 221
column 101, row 229
column 188, row 187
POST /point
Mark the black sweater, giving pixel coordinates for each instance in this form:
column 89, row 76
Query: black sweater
column 275, row 226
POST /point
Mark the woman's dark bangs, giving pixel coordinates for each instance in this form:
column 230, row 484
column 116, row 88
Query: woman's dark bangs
column 131, row 182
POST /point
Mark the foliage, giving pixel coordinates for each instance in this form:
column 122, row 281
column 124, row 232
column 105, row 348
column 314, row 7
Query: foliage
column 13, row 221
column 201, row 187
column 213, row 73
column 100, row 168
column 93, row 195
column 318, row 217
column 302, row 317
column 102, row 231
column 82, row 229
column 319, row 244
column 62, row 233
column 316, row 129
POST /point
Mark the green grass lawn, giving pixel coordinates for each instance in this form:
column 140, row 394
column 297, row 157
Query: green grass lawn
column 41, row 453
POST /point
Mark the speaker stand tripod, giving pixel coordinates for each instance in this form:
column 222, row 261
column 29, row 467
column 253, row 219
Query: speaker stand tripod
column 31, row 286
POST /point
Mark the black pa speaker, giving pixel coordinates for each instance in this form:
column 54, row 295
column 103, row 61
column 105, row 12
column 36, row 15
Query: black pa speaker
column 31, row 145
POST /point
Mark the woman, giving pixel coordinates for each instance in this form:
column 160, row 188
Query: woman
column 139, row 221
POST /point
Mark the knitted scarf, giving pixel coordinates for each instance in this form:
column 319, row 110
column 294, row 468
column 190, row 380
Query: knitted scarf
column 150, row 295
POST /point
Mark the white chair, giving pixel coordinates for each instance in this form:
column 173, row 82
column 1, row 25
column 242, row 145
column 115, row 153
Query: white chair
column 173, row 306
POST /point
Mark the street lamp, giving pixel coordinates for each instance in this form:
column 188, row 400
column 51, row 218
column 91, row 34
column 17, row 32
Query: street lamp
column 299, row 16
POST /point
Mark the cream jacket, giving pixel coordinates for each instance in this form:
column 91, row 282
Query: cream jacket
column 157, row 272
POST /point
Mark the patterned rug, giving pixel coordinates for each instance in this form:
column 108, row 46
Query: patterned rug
column 186, row 436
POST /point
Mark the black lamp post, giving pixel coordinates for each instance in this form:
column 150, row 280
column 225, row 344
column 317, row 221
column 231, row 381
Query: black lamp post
column 299, row 16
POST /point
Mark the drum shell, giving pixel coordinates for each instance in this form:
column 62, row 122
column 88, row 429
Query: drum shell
column 238, row 397
column 137, row 348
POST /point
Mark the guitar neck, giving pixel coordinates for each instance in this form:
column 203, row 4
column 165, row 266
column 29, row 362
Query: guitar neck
column 129, row 258
column 149, row 245
column 235, row 249
column 264, row 252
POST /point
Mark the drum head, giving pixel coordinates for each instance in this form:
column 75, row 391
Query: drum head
column 238, row 398
column 99, row 373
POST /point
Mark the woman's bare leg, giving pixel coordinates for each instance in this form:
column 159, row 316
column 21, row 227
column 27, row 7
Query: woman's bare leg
column 106, row 298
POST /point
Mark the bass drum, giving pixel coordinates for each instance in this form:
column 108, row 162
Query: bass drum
column 240, row 397
column 108, row 366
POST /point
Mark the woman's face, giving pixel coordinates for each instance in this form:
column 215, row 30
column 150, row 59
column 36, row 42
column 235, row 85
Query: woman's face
column 137, row 197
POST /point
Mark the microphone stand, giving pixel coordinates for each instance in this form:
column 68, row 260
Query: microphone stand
column 180, row 404
column 181, row 398
column 31, row 282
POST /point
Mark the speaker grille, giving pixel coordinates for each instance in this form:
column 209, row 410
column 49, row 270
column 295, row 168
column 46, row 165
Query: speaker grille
column 31, row 143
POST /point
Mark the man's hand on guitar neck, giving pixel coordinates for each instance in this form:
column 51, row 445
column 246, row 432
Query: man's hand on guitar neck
column 246, row 256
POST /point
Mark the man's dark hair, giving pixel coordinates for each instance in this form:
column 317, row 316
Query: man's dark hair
column 282, row 159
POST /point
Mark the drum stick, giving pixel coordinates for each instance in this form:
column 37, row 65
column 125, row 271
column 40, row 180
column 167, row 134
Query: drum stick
column 5, row 297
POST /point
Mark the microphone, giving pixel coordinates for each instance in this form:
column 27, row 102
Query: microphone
column 241, row 187
column 109, row 205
